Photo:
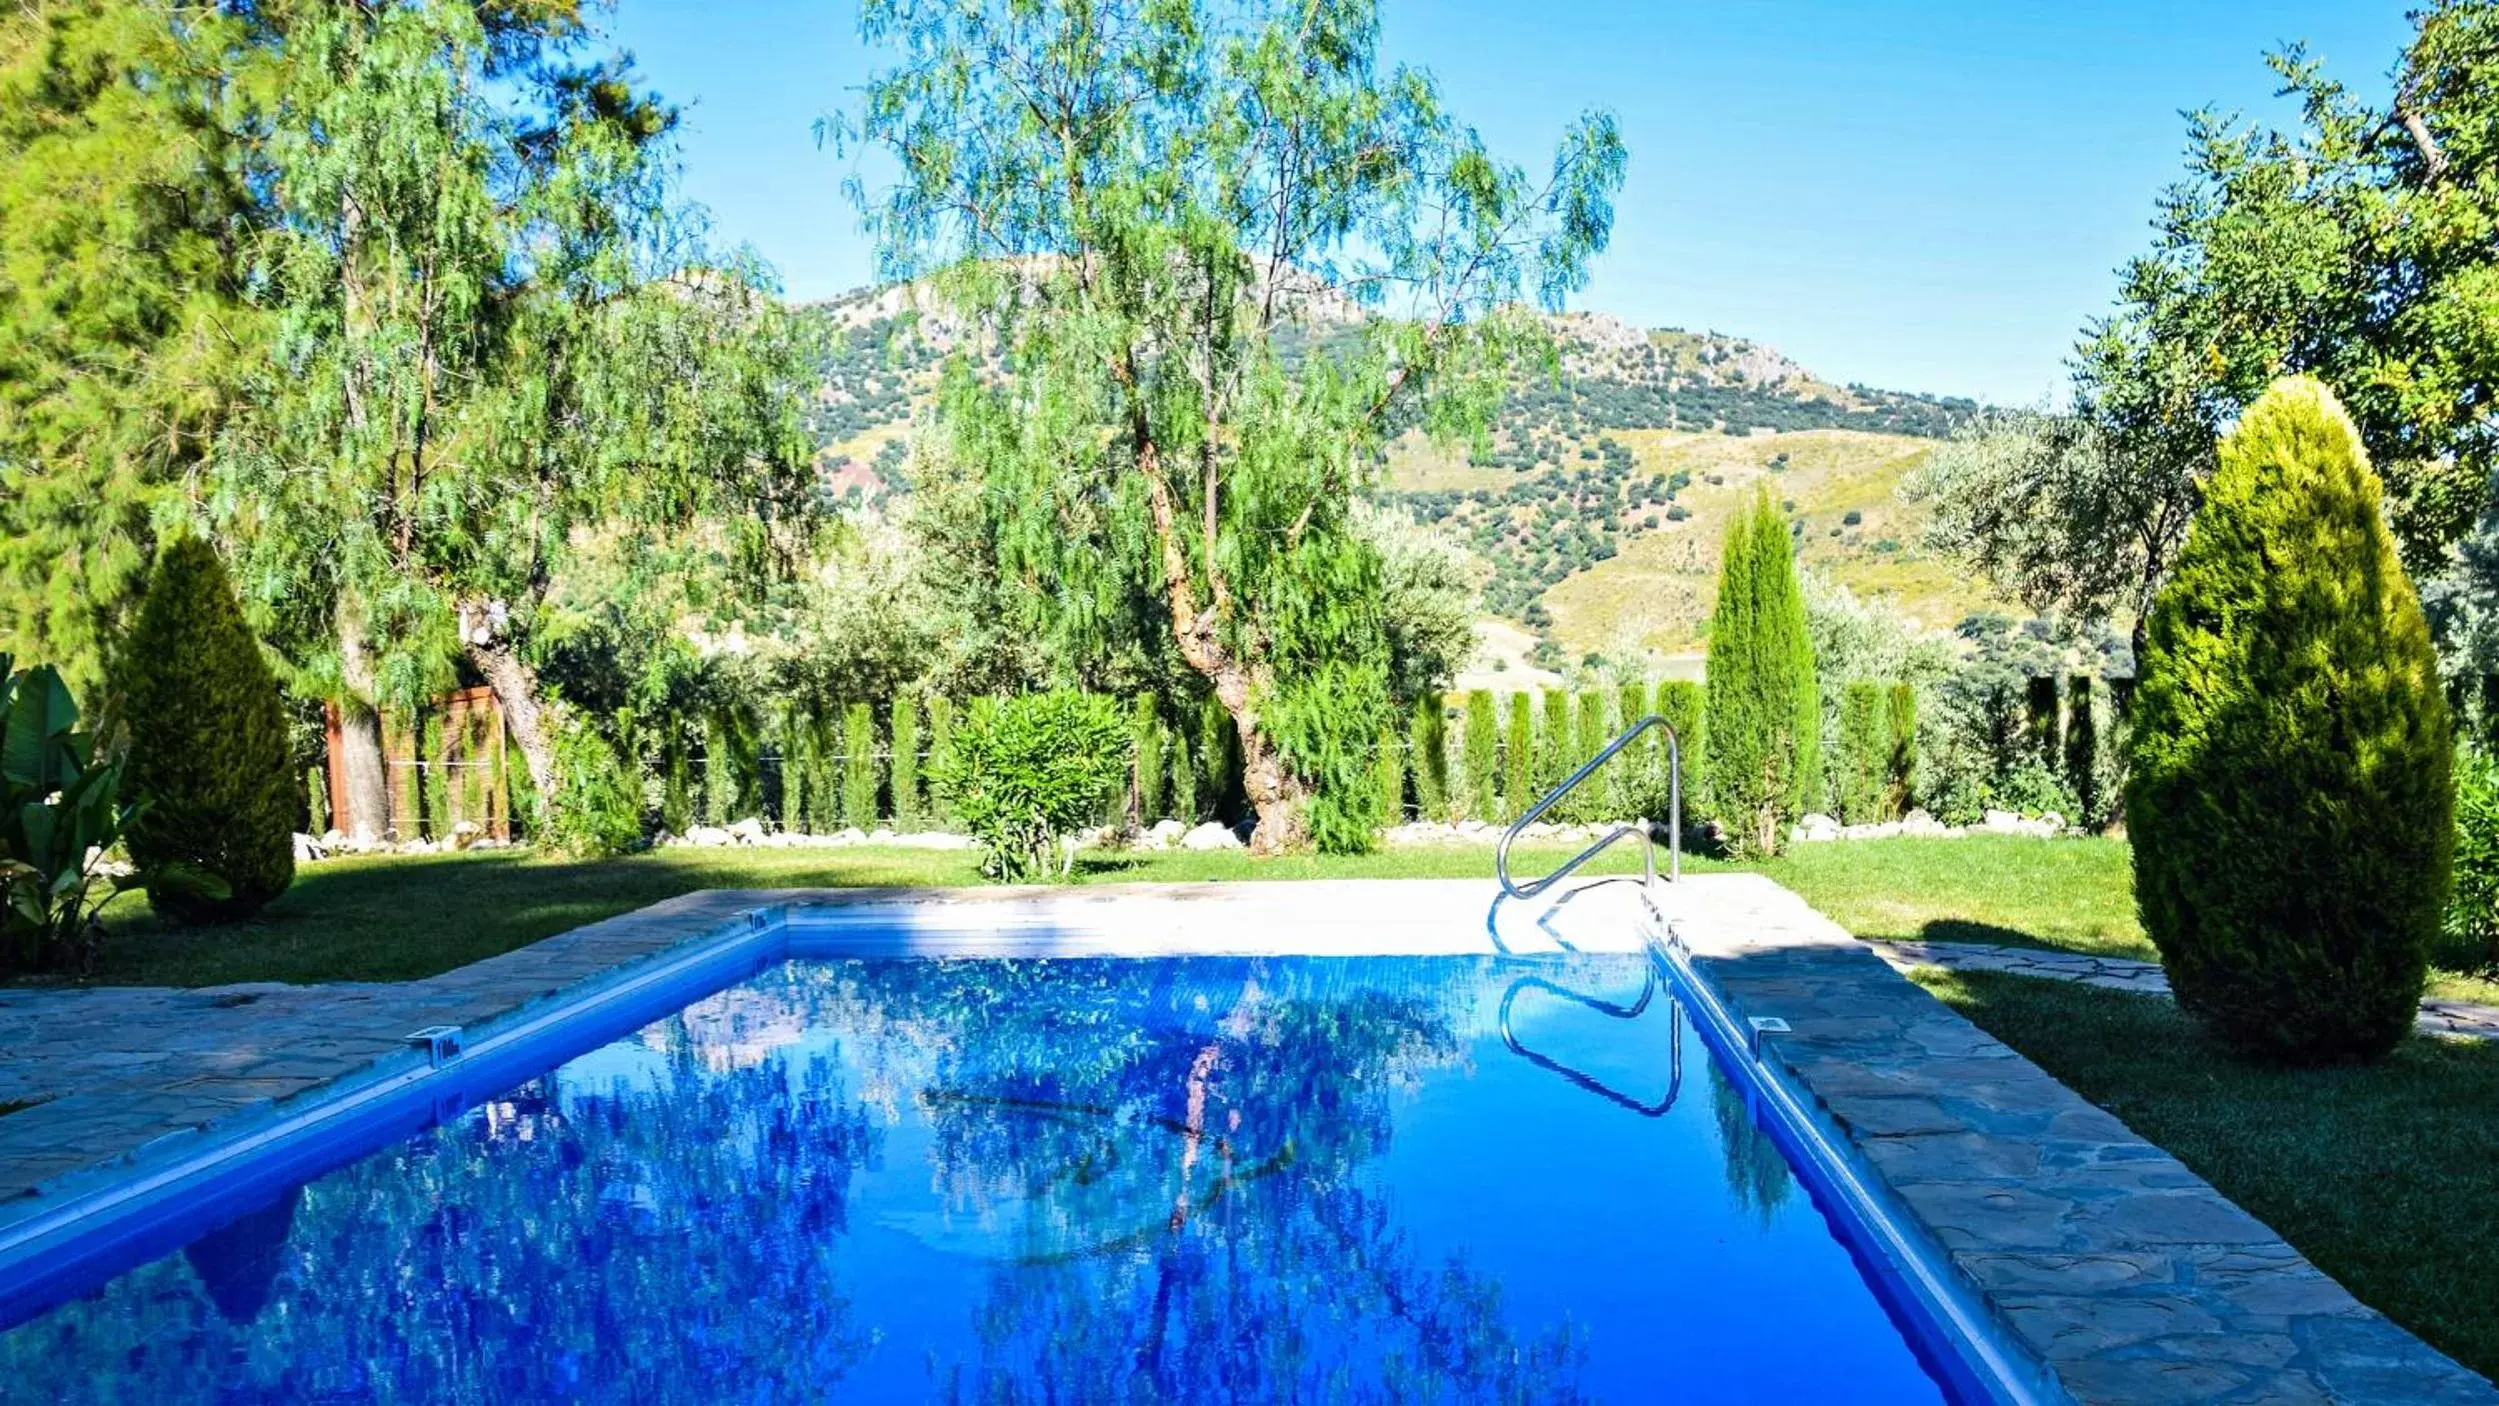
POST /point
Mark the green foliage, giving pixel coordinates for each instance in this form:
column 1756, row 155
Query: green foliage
column 940, row 752
column 676, row 806
column 2041, row 736
column 1864, row 753
column 1764, row 710
column 860, row 777
column 1145, row 728
column 1028, row 770
column 2469, row 938
column 599, row 812
column 1554, row 724
column 1900, row 720
column 1427, row 749
column 60, row 809
column 1388, row 773
column 1480, row 763
column 903, row 727
column 316, row 801
column 733, row 766
column 207, row 741
column 1518, row 759
column 2082, row 752
column 1627, row 784
column 125, row 221
column 1589, row 734
column 2290, row 798
column 1328, row 728
column 1186, row 805
column 1158, row 468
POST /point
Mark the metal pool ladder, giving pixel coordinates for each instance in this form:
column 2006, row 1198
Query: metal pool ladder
column 1643, row 828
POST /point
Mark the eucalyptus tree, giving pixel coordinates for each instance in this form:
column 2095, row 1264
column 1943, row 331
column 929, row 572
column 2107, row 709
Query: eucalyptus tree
column 500, row 340
column 1215, row 255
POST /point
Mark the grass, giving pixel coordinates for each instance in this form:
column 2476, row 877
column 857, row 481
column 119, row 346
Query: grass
column 2073, row 895
column 2386, row 1176
column 396, row 918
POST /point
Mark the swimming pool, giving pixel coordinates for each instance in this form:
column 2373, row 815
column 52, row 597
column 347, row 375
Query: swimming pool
column 1008, row 1179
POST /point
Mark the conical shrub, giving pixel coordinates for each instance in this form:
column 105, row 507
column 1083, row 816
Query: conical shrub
column 207, row 737
column 1764, row 709
column 2289, row 794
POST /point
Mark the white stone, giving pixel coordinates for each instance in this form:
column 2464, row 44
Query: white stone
column 308, row 849
column 1210, row 836
column 884, row 835
column 1165, row 834
column 1816, row 828
column 1920, row 822
column 746, row 832
column 708, row 836
column 850, row 835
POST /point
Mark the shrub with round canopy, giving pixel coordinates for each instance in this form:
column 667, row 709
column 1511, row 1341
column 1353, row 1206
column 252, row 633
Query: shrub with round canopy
column 2289, row 795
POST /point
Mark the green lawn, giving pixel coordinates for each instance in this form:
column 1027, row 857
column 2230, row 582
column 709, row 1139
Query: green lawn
column 2077, row 895
column 394, row 918
column 2387, row 1176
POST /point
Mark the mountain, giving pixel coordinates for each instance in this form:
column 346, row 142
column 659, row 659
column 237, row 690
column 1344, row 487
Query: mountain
column 1595, row 508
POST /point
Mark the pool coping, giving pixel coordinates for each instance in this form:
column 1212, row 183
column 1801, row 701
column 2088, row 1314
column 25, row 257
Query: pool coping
column 2098, row 1256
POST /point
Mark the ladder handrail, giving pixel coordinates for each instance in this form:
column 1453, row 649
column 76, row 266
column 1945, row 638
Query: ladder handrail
column 1642, row 828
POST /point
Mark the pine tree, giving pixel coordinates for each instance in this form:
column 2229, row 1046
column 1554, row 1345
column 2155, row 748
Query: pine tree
column 903, row 726
column 1518, row 759
column 1427, row 745
column 1483, row 757
column 207, row 741
column 1764, row 708
column 2289, row 797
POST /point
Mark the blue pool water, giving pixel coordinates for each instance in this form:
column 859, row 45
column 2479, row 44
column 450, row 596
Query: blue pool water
column 1048, row 1181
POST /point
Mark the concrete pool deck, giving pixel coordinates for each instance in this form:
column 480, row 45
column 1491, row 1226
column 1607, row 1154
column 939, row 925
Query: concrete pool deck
column 2125, row 1276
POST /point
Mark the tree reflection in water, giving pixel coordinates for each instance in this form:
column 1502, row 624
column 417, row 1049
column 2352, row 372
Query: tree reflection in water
column 1153, row 1166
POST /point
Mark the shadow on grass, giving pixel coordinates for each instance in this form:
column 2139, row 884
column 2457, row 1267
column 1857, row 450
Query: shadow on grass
column 1966, row 930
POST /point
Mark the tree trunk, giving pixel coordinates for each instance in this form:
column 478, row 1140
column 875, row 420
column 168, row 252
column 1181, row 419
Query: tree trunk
column 364, row 780
column 1275, row 793
column 529, row 718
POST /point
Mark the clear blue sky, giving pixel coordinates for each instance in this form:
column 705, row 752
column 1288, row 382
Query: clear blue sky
column 1921, row 196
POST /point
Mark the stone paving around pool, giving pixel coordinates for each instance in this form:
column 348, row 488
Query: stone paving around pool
column 2120, row 1273
column 2462, row 1020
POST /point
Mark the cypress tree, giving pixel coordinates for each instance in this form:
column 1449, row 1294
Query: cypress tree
column 859, row 768
column 1219, row 760
column 2082, row 749
column 676, row 802
column 2039, row 723
column 1587, row 739
column 1901, row 717
column 1184, row 780
column 1483, row 757
column 1428, row 753
column 1553, row 740
column 940, row 750
column 1148, row 768
column 1518, row 759
column 1679, row 703
column 207, row 740
column 1388, row 774
column 1634, row 771
column 1764, row 711
column 903, row 726
column 2288, row 796
column 1864, row 753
